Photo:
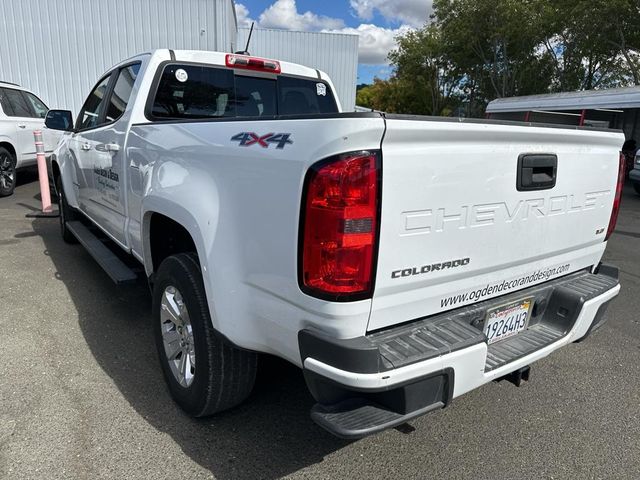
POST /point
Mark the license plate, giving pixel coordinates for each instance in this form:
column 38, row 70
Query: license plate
column 507, row 320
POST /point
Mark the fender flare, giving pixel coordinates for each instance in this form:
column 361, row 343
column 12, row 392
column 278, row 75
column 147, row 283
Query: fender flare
column 182, row 216
column 175, row 212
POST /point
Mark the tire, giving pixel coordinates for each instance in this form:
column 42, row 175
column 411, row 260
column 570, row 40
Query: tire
column 636, row 187
column 7, row 172
column 67, row 214
column 205, row 374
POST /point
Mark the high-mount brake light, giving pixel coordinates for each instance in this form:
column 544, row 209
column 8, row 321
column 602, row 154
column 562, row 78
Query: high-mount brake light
column 616, row 200
column 252, row 63
column 339, row 227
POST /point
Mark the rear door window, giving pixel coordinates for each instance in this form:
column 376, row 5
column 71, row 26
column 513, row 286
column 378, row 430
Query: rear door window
column 121, row 92
column 201, row 92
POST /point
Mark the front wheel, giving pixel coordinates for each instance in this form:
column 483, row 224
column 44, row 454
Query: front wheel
column 205, row 374
column 7, row 172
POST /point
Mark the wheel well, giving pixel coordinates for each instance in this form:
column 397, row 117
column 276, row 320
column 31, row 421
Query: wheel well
column 167, row 237
column 55, row 173
column 9, row 147
column 55, row 170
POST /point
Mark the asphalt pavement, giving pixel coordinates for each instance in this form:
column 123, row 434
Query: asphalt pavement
column 82, row 395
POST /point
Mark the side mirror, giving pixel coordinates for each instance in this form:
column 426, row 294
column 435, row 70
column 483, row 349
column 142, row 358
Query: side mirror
column 59, row 120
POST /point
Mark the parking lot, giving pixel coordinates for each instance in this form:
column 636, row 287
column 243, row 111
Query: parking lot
column 82, row 396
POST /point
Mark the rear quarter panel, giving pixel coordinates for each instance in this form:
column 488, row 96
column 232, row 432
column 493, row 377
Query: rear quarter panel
column 242, row 207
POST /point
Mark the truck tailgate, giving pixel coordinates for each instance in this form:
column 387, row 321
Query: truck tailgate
column 455, row 227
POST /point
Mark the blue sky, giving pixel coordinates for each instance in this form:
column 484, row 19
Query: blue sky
column 377, row 22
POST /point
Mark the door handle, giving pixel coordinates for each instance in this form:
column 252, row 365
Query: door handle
column 536, row 171
column 85, row 146
column 22, row 126
column 112, row 147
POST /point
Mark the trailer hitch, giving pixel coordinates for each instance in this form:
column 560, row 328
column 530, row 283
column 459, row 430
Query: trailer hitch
column 518, row 376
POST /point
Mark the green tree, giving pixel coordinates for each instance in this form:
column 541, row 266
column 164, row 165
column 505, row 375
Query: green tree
column 425, row 72
column 578, row 43
column 493, row 43
column 476, row 50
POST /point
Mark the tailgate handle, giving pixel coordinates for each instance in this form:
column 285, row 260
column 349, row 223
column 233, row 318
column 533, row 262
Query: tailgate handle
column 536, row 171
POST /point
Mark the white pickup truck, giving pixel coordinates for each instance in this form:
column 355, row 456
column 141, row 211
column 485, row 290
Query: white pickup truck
column 399, row 261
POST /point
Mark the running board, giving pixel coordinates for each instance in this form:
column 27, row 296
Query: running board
column 110, row 263
column 358, row 418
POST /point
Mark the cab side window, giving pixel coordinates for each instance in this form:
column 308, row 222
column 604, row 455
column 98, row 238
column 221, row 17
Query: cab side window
column 121, row 92
column 90, row 114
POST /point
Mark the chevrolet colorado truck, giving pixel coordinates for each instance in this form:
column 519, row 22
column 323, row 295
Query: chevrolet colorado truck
column 400, row 261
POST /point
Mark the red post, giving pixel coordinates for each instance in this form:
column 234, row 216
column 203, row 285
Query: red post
column 45, row 195
column 583, row 113
column 526, row 116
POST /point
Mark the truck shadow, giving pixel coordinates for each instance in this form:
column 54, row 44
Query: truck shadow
column 269, row 436
column 26, row 175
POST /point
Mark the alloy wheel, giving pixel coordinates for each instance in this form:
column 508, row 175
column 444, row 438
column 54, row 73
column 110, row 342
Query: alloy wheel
column 177, row 336
column 7, row 172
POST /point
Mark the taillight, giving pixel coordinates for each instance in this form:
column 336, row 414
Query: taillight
column 617, row 198
column 339, row 227
column 252, row 63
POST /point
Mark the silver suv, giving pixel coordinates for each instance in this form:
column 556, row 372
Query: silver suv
column 21, row 112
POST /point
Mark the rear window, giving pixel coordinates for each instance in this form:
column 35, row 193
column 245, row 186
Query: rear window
column 188, row 91
column 301, row 96
column 202, row 92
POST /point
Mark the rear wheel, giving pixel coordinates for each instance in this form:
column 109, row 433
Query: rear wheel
column 7, row 172
column 636, row 187
column 67, row 214
column 205, row 374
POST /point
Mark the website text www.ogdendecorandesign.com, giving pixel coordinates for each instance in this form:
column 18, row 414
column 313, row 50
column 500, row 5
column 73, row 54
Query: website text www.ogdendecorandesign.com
column 504, row 286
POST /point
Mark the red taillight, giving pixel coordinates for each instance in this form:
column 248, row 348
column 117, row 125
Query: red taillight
column 617, row 198
column 252, row 63
column 340, row 224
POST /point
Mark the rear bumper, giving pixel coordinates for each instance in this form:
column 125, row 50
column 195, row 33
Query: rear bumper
column 398, row 374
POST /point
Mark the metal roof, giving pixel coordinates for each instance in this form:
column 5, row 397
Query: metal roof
column 619, row 98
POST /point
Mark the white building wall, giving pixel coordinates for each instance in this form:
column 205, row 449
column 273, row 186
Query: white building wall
column 334, row 53
column 59, row 48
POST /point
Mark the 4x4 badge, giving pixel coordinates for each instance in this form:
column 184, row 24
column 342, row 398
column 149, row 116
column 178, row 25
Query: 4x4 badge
column 247, row 139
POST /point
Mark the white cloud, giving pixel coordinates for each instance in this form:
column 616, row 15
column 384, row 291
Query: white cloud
column 375, row 42
column 284, row 14
column 411, row 12
column 242, row 14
